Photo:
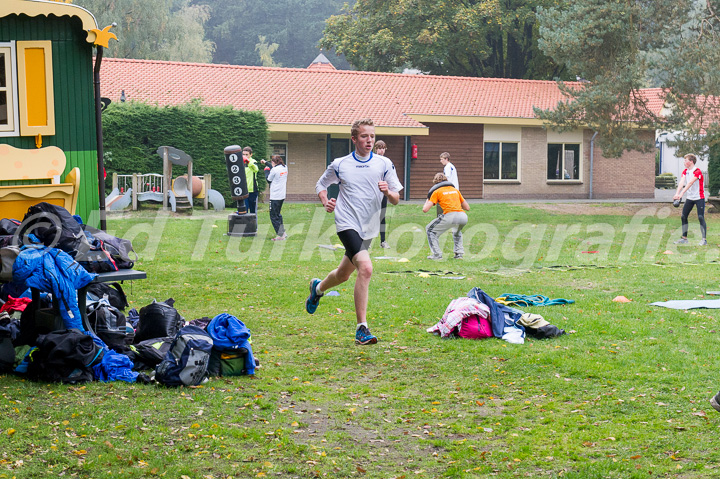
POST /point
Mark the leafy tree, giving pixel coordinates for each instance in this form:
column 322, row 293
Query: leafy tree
column 266, row 52
column 294, row 25
column 493, row 38
column 621, row 47
column 154, row 29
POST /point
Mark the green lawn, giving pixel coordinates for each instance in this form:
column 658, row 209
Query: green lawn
column 624, row 395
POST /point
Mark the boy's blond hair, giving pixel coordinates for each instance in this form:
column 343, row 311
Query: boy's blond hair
column 691, row 157
column 355, row 128
column 445, row 155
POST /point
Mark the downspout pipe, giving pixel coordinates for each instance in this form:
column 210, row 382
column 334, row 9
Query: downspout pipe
column 99, row 135
column 592, row 157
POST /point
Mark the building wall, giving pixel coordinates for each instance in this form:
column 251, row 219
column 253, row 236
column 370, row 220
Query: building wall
column 307, row 160
column 72, row 64
column 306, row 163
column 465, row 145
column 533, row 169
column 631, row 176
column 396, row 152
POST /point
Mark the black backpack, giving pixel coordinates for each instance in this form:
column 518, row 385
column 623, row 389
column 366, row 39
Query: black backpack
column 114, row 292
column 158, row 320
column 109, row 324
column 66, row 355
column 56, row 227
column 120, row 250
column 186, row 363
column 8, row 226
column 149, row 353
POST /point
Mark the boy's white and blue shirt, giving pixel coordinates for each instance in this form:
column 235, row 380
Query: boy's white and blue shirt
column 451, row 174
column 360, row 199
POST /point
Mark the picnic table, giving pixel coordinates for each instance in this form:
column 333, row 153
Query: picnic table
column 109, row 277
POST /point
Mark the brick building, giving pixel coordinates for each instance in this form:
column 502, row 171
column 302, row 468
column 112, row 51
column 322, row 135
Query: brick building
column 501, row 151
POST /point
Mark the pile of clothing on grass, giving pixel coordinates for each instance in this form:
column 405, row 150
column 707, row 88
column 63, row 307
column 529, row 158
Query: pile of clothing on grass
column 479, row 316
column 56, row 254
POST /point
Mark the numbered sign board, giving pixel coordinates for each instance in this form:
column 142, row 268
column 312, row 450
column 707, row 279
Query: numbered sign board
column 236, row 172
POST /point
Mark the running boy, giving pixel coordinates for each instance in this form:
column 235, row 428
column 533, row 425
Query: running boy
column 364, row 180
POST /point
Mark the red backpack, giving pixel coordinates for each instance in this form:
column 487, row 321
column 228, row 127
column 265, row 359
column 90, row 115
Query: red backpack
column 475, row 327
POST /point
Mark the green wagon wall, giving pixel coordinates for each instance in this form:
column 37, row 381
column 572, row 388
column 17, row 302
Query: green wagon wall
column 72, row 60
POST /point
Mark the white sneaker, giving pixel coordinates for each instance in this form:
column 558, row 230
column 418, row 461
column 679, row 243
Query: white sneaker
column 703, row 242
column 384, row 245
column 681, row 241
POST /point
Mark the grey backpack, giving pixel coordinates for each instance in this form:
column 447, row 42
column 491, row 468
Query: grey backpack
column 186, row 363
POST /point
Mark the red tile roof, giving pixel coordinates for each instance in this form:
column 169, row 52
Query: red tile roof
column 325, row 97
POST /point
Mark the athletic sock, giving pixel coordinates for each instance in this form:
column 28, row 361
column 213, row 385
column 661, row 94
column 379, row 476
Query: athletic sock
column 319, row 291
column 361, row 324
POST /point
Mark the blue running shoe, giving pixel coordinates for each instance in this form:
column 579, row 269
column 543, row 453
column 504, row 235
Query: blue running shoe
column 312, row 301
column 364, row 336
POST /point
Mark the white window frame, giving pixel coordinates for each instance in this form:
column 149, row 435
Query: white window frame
column 562, row 179
column 500, row 159
column 13, row 126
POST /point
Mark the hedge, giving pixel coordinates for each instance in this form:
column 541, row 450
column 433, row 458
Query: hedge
column 133, row 131
column 714, row 169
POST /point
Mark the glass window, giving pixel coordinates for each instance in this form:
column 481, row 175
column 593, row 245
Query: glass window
column 7, row 107
column 563, row 161
column 279, row 149
column 500, row 161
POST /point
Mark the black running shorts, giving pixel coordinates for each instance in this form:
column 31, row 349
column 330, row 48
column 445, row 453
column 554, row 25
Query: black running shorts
column 353, row 243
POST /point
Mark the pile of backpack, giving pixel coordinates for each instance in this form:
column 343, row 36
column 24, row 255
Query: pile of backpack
column 53, row 226
column 157, row 339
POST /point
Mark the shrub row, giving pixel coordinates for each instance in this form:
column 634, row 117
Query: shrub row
column 132, row 133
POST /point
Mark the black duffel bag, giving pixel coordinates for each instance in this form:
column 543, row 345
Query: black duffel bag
column 158, row 320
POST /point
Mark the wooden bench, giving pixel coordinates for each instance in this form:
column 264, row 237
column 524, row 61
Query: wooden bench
column 28, row 177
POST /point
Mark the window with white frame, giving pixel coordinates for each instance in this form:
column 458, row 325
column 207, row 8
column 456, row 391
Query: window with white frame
column 27, row 101
column 8, row 97
column 279, row 149
column 563, row 161
column 500, row 161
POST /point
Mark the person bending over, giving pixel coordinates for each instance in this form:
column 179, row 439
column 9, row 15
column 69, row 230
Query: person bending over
column 453, row 217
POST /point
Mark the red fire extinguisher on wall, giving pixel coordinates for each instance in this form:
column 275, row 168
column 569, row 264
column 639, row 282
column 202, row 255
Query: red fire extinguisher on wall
column 413, row 152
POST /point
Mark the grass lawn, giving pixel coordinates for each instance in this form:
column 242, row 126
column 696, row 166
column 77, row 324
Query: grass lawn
column 624, row 395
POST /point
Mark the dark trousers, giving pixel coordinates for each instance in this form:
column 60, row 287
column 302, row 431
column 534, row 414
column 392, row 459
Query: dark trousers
column 251, row 202
column 276, row 217
column 687, row 208
column 383, row 209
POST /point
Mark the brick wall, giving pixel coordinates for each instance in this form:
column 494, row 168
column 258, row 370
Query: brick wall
column 631, row 176
column 306, row 163
column 464, row 143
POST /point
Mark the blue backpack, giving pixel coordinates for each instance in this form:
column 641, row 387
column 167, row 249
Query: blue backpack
column 186, row 363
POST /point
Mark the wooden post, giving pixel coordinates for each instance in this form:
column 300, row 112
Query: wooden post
column 115, row 181
column 134, row 191
column 190, row 183
column 206, row 180
column 167, row 178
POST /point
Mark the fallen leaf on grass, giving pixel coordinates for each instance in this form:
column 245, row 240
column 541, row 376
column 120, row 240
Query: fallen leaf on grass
column 360, row 469
column 636, row 457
